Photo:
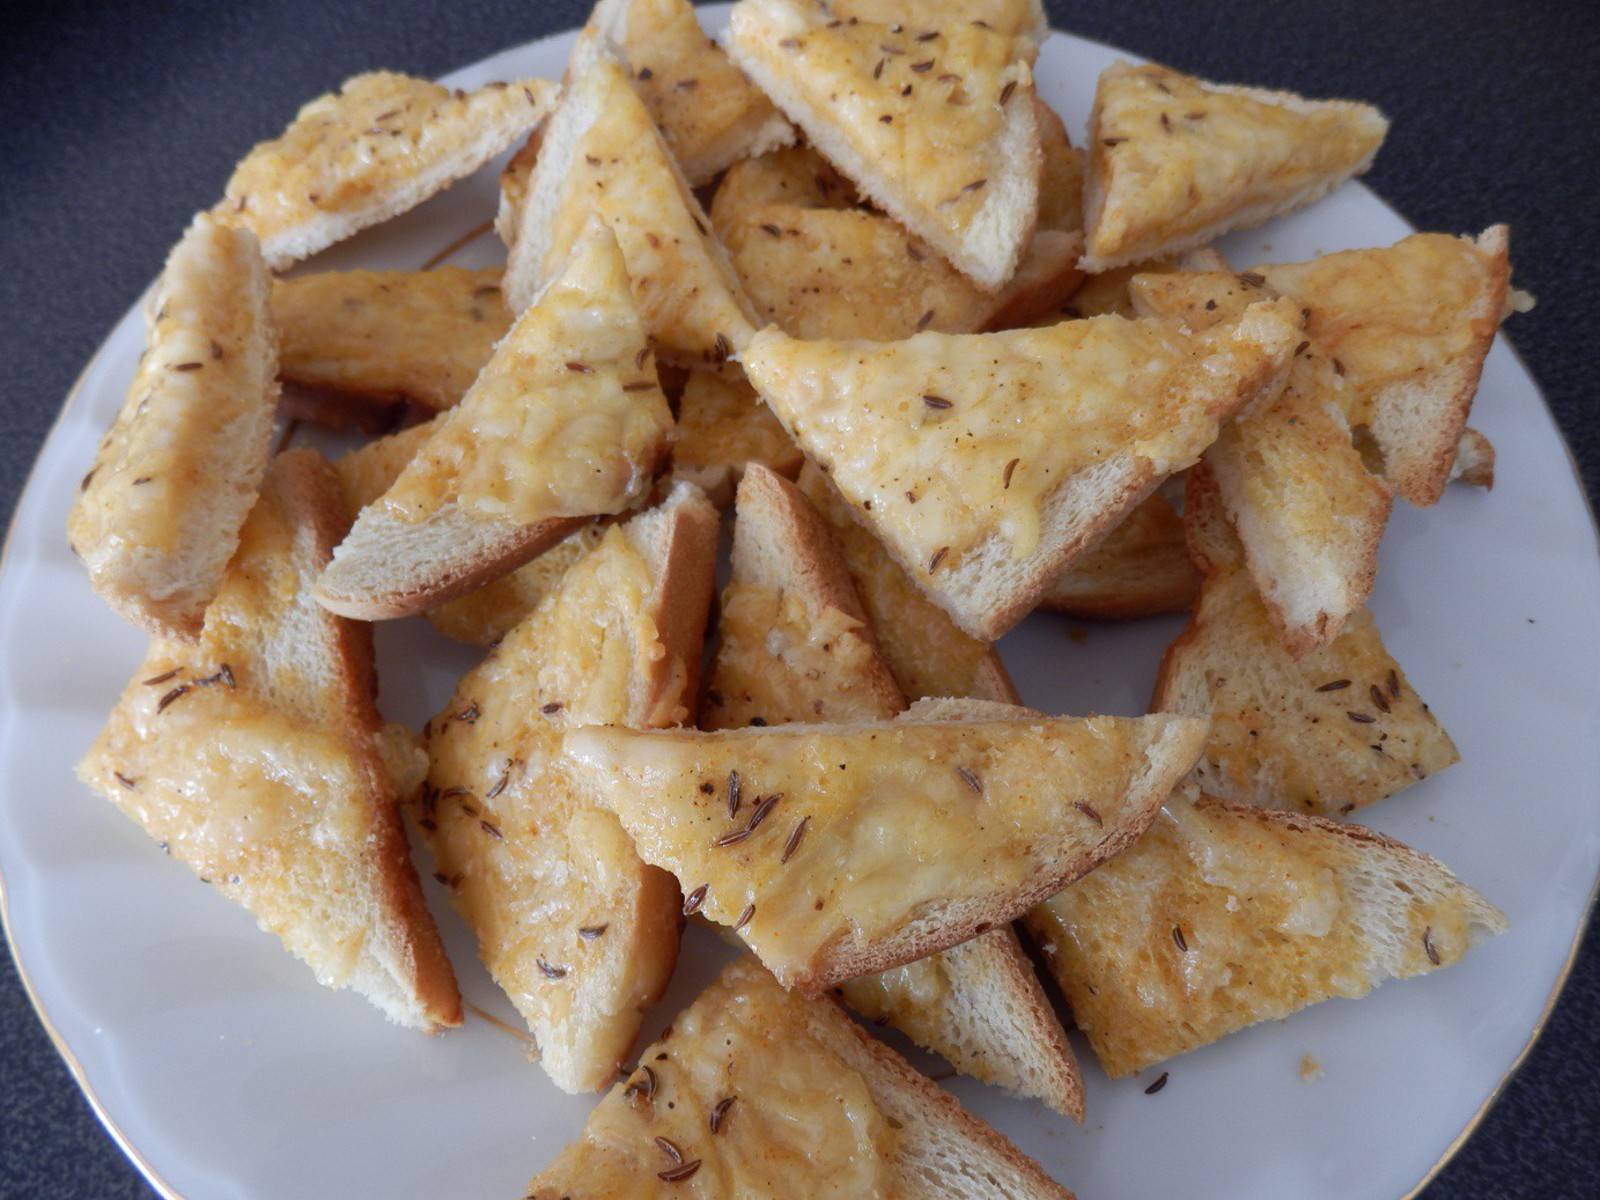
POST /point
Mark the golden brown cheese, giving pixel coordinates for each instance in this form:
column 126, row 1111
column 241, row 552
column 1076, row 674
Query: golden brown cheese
column 1174, row 161
column 722, row 425
column 928, row 655
column 190, row 444
column 804, row 836
column 579, row 933
column 380, row 144
column 621, row 170
column 421, row 336
column 1221, row 917
column 710, row 115
column 739, row 1098
column 779, row 661
column 1023, row 19
column 567, row 419
column 950, row 440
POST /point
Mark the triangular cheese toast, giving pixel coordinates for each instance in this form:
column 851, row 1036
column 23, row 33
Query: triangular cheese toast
column 567, row 420
column 600, row 154
column 794, row 644
column 710, row 115
column 378, row 337
column 1225, row 915
column 1021, row 19
column 383, row 143
column 934, row 121
column 1140, row 569
column 485, row 615
column 158, row 515
column 1309, row 513
column 927, row 653
column 988, row 462
column 1175, row 162
column 258, row 758
column 580, row 934
column 1408, row 327
column 758, row 1092
column 1330, row 732
column 842, row 850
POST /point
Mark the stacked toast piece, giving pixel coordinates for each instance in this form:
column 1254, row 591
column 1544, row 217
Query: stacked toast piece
column 845, row 275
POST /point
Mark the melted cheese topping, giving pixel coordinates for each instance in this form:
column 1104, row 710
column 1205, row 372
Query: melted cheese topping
column 890, row 817
column 578, row 932
column 1170, row 156
column 419, row 335
column 722, row 425
column 705, row 107
column 1396, row 314
column 685, row 291
column 356, row 148
column 207, row 371
column 567, row 419
column 925, row 651
column 801, row 1121
column 949, row 440
column 927, row 111
column 1014, row 18
column 1213, row 921
column 780, row 661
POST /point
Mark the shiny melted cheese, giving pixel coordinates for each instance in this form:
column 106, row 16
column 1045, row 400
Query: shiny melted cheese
column 1170, row 156
column 354, row 149
column 705, row 107
column 781, row 661
column 1398, row 314
column 927, row 654
column 1264, row 926
column 949, row 440
column 722, row 425
column 926, row 111
column 895, row 816
column 801, row 1122
column 567, row 419
column 418, row 335
column 578, row 932
column 207, row 369
column 1013, row 18
column 685, row 291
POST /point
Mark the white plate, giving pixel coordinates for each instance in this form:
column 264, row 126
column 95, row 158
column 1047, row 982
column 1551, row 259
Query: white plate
column 227, row 1072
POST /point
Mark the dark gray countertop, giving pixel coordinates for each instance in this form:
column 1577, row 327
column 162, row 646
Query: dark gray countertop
column 122, row 120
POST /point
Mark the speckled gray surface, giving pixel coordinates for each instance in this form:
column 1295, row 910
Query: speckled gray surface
column 121, row 120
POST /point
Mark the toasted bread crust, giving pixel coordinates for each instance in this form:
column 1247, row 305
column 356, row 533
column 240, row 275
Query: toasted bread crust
column 310, row 491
